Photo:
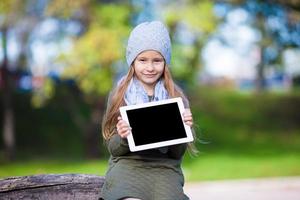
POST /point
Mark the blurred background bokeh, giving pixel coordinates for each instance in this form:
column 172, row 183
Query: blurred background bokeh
column 237, row 60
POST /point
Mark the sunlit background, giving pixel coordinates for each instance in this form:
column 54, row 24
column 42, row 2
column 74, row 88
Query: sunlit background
column 237, row 60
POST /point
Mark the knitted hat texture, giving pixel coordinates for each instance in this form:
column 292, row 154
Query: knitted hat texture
column 149, row 36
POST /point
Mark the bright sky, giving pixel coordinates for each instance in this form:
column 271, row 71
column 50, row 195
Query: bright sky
column 239, row 54
column 220, row 60
column 292, row 61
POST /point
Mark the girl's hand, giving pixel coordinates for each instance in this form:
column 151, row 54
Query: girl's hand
column 123, row 128
column 187, row 117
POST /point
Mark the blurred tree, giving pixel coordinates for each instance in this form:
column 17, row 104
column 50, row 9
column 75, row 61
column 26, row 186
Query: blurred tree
column 274, row 38
column 191, row 22
column 91, row 62
column 279, row 24
column 17, row 18
column 97, row 46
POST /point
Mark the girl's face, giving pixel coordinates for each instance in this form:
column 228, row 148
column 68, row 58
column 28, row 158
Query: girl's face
column 148, row 68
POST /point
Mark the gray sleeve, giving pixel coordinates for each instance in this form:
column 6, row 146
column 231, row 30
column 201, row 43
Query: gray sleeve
column 177, row 151
column 117, row 146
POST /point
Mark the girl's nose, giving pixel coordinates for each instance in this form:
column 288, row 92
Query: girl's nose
column 150, row 66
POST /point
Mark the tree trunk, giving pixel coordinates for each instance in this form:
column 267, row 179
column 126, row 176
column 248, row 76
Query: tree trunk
column 52, row 186
column 8, row 118
column 264, row 43
column 259, row 81
column 260, row 75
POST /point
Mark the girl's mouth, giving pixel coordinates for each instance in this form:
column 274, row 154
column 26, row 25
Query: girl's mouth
column 149, row 75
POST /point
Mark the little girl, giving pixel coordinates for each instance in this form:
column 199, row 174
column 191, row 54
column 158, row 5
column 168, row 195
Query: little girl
column 153, row 174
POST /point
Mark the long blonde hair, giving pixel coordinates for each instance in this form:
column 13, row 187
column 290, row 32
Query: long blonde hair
column 116, row 100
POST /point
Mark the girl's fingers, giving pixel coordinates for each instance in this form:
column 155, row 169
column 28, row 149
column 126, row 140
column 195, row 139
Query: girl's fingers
column 187, row 114
column 125, row 134
column 122, row 125
column 123, row 128
column 187, row 117
column 189, row 123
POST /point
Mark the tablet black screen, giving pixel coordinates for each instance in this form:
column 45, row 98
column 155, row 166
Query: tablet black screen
column 156, row 124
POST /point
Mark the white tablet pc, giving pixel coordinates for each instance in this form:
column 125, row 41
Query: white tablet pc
column 156, row 124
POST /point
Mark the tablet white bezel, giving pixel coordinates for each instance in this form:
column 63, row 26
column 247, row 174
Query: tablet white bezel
column 133, row 147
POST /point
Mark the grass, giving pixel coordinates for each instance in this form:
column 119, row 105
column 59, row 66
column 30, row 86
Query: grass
column 33, row 167
column 215, row 166
column 225, row 166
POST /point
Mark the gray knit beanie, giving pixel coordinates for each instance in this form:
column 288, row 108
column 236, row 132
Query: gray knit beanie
column 149, row 36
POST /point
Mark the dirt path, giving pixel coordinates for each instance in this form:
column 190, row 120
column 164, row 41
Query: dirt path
column 286, row 188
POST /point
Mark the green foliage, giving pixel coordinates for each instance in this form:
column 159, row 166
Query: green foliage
column 199, row 16
column 50, row 131
column 10, row 11
column 42, row 94
column 181, row 54
column 118, row 20
column 94, row 53
column 6, row 5
column 199, row 19
column 90, row 61
column 66, row 8
column 246, row 124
